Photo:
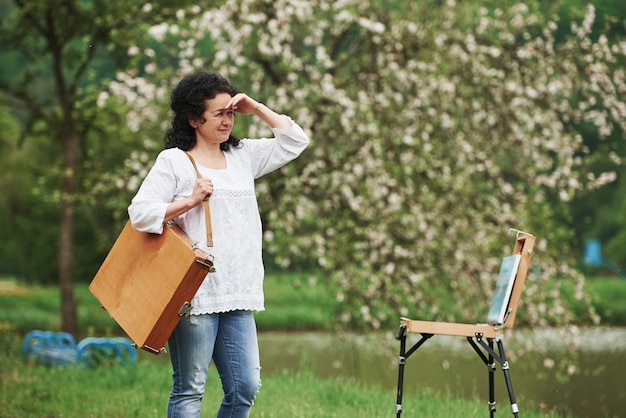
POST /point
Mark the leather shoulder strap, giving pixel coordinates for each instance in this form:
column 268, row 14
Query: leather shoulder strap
column 205, row 205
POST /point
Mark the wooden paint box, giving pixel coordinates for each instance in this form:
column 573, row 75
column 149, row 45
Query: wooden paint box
column 147, row 281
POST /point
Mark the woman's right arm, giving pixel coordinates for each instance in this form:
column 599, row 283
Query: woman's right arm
column 148, row 207
column 202, row 189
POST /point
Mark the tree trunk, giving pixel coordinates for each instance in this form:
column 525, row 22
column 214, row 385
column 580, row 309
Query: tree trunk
column 66, row 94
column 69, row 318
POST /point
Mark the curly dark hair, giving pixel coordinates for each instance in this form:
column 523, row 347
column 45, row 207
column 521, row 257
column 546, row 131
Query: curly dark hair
column 188, row 101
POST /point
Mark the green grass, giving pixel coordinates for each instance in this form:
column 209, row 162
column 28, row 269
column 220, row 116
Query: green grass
column 293, row 303
column 607, row 296
column 38, row 307
column 32, row 390
column 296, row 302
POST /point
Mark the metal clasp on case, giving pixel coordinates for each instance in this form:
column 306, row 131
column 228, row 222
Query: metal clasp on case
column 185, row 310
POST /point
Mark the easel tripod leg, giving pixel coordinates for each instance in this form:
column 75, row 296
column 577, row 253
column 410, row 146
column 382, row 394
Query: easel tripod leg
column 401, row 361
column 492, row 369
column 507, row 379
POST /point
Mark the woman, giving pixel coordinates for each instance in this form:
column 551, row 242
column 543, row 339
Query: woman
column 221, row 325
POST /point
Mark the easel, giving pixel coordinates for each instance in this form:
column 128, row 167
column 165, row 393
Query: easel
column 475, row 334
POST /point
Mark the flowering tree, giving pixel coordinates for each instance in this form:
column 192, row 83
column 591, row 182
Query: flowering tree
column 432, row 134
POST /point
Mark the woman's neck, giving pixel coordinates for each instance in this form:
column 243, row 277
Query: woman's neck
column 209, row 155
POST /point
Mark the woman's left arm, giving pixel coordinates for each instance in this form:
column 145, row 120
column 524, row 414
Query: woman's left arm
column 244, row 104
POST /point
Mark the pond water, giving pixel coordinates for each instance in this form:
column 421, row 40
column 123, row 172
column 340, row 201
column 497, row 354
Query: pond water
column 581, row 372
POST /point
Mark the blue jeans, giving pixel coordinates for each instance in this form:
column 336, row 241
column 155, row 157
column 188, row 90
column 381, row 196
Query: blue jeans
column 230, row 339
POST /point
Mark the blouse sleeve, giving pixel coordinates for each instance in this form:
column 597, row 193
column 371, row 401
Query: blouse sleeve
column 148, row 207
column 268, row 155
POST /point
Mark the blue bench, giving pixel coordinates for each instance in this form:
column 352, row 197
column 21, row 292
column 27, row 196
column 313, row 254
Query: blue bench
column 95, row 351
column 51, row 348
column 60, row 348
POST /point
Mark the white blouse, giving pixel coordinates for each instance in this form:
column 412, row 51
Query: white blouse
column 237, row 283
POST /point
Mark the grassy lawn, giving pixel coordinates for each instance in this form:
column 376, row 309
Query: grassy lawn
column 294, row 303
column 28, row 389
column 608, row 296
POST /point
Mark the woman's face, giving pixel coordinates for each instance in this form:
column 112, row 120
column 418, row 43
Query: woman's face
column 216, row 122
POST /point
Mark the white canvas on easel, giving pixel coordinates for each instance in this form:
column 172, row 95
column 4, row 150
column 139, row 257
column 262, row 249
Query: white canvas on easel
column 504, row 286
